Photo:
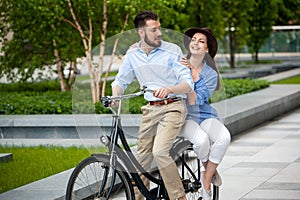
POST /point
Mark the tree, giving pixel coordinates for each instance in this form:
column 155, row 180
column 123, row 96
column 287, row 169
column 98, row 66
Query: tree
column 39, row 41
column 23, row 46
column 263, row 15
column 288, row 12
column 199, row 14
column 235, row 15
column 85, row 29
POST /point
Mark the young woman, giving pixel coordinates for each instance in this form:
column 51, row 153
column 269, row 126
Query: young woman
column 208, row 134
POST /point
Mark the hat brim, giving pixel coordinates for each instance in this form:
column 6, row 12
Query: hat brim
column 213, row 47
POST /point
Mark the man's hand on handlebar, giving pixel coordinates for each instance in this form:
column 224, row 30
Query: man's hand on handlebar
column 114, row 103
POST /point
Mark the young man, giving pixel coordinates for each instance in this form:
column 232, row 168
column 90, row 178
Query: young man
column 155, row 64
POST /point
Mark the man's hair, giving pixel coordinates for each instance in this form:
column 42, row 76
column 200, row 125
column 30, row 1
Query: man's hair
column 142, row 17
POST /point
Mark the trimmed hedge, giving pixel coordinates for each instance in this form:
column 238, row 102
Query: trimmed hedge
column 45, row 97
column 50, row 102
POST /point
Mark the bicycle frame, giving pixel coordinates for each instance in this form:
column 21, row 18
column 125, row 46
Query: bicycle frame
column 127, row 158
column 116, row 174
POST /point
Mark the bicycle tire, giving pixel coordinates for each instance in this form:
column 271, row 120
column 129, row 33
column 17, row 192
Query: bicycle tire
column 86, row 179
column 193, row 191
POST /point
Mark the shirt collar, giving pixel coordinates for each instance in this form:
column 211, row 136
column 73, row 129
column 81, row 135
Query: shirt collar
column 154, row 50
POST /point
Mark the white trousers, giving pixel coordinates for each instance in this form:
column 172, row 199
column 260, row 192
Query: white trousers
column 210, row 139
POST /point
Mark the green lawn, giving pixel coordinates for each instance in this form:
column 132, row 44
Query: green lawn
column 33, row 163
column 292, row 80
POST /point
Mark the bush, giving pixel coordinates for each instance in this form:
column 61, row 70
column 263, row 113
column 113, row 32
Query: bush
column 243, row 86
column 49, row 102
column 31, row 86
column 45, row 97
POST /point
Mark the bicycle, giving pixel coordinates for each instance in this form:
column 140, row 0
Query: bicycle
column 114, row 175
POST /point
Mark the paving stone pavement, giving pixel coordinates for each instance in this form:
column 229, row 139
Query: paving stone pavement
column 264, row 163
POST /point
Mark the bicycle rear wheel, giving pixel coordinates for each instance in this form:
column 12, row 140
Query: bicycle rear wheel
column 191, row 179
column 94, row 178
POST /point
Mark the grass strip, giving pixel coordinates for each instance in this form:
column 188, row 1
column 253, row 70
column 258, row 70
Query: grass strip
column 291, row 80
column 30, row 164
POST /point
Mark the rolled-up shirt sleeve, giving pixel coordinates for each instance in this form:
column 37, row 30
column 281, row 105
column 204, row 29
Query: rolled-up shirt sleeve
column 125, row 76
column 183, row 73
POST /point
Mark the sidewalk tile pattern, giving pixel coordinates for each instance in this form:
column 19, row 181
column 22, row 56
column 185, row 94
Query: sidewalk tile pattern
column 264, row 163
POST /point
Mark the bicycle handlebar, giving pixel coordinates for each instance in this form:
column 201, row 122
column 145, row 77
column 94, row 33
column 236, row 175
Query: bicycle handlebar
column 107, row 100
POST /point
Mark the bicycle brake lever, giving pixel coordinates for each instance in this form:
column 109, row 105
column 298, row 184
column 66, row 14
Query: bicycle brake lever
column 143, row 88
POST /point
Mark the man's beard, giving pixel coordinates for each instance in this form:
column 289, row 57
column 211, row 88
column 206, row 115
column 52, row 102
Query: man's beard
column 152, row 43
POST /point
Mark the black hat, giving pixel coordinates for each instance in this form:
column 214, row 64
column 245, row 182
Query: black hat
column 211, row 40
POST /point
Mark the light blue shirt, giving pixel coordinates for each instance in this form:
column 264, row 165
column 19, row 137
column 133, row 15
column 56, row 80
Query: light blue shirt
column 204, row 88
column 160, row 68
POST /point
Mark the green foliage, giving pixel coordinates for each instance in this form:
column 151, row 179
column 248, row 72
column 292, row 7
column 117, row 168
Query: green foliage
column 199, row 14
column 33, row 163
column 42, row 86
column 289, row 12
column 49, row 102
column 37, row 30
column 40, row 27
column 264, row 14
column 43, row 98
column 34, row 98
column 242, row 86
column 235, row 87
column 44, row 31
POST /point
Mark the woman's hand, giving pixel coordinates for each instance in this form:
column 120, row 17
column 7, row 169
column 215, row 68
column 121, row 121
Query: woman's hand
column 185, row 62
column 192, row 98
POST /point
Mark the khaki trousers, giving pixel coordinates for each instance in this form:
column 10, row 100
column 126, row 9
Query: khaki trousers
column 159, row 128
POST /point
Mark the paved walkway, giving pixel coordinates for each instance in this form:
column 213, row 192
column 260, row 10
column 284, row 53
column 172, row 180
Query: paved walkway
column 264, row 163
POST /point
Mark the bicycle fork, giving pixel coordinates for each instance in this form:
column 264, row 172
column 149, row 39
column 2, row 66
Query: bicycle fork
column 109, row 174
column 112, row 162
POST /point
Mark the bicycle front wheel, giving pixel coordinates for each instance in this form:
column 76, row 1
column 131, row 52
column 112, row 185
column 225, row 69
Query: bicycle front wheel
column 94, row 178
column 191, row 173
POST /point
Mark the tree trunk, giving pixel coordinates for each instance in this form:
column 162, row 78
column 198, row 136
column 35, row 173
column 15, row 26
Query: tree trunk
column 256, row 56
column 87, row 43
column 74, row 75
column 232, row 49
column 70, row 79
column 59, row 68
column 102, row 50
column 92, row 75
